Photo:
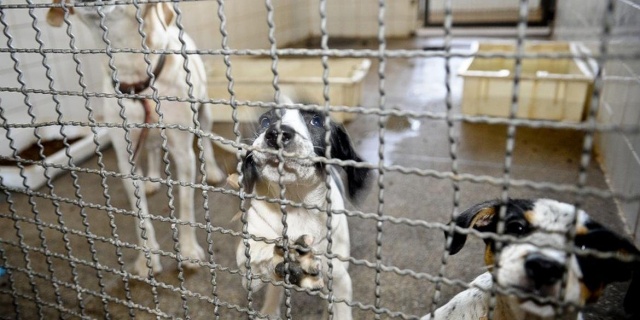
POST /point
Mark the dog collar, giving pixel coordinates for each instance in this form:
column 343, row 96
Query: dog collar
column 135, row 88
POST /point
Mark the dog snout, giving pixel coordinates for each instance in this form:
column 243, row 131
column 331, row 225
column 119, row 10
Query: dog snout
column 271, row 136
column 543, row 270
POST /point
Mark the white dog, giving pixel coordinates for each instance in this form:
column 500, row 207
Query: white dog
column 538, row 266
column 302, row 134
column 170, row 80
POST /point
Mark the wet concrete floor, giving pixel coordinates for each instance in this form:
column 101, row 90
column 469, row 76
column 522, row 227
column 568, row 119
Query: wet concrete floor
column 420, row 144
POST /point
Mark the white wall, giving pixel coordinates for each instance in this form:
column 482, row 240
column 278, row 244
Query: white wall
column 296, row 20
column 359, row 18
column 246, row 23
column 582, row 20
column 483, row 5
column 620, row 99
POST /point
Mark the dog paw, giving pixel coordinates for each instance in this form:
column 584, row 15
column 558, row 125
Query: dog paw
column 303, row 267
column 193, row 251
column 140, row 267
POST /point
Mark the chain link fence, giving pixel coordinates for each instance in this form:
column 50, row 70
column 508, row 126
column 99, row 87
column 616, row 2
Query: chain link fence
column 68, row 242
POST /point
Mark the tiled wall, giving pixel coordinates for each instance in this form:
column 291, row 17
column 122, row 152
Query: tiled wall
column 246, row 23
column 481, row 11
column 359, row 18
column 620, row 101
column 296, row 20
column 582, row 19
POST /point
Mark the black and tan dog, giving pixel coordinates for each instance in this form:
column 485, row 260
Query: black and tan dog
column 538, row 264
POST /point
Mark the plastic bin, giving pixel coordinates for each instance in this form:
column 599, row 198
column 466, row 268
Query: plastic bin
column 550, row 89
column 253, row 82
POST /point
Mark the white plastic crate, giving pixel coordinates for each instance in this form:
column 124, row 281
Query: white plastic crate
column 253, row 82
column 550, row 89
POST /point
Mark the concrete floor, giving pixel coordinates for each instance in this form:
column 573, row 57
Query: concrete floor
column 412, row 84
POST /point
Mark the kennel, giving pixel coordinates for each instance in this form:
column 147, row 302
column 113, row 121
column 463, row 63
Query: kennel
column 68, row 245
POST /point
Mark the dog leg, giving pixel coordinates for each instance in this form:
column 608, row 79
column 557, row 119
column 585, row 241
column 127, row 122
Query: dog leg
column 342, row 290
column 261, row 262
column 214, row 173
column 472, row 303
column 184, row 158
column 272, row 301
column 140, row 266
column 153, row 167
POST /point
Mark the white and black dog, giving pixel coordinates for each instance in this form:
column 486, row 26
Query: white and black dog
column 302, row 135
column 537, row 266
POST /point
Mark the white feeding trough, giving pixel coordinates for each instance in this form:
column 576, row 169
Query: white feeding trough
column 253, row 81
column 550, row 88
column 82, row 148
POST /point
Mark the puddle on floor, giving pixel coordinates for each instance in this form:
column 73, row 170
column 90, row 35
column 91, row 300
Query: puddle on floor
column 397, row 130
column 401, row 124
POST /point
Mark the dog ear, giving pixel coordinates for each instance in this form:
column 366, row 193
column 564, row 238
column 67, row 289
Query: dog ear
column 166, row 14
column 482, row 217
column 358, row 179
column 599, row 272
column 55, row 15
column 249, row 173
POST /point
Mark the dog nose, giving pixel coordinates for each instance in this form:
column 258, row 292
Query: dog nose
column 543, row 270
column 271, row 136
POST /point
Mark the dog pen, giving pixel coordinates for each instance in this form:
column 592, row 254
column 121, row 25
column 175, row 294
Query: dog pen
column 68, row 237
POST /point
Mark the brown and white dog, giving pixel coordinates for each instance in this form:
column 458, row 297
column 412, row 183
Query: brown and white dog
column 538, row 265
column 302, row 135
column 170, row 80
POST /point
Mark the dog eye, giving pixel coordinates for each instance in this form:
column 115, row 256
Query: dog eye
column 316, row 121
column 515, row 227
column 265, row 122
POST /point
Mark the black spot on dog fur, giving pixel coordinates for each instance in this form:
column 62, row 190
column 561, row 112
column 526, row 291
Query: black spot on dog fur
column 598, row 272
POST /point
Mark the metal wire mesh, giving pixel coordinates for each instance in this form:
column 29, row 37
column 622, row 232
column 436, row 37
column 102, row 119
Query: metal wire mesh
column 77, row 261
